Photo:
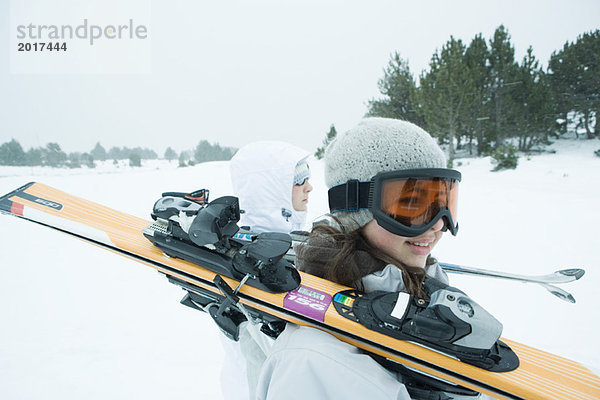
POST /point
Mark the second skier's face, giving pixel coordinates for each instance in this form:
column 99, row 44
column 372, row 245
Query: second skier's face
column 412, row 252
column 300, row 196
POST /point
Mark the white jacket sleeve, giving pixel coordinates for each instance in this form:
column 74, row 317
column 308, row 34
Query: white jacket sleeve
column 306, row 363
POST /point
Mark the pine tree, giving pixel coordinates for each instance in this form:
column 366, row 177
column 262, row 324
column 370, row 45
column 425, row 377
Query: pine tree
column 34, row 157
column 535, row 103
column 98, row 152
column 205, row 151
column 476, row 59
column 146, row 153
column 575, row 80
column 170, row 154
column 502, row 84
column 135, row 160
column 183, row 159
column 399, row 89
column 117, row 153
column 328, row 139
column 53, row 156
column 88, row 160
column 11, row 153
column 446, row 92
column 74, row 160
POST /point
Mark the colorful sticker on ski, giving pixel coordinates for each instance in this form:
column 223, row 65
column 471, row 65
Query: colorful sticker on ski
column 345, row 300
column 308, row 302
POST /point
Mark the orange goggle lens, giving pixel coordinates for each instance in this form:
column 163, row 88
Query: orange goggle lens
column 416, row 201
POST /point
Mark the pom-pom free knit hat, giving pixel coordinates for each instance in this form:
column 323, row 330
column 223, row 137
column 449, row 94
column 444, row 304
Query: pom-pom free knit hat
column 377, row 145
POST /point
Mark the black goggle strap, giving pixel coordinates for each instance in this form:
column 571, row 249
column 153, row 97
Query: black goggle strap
column 350, row 196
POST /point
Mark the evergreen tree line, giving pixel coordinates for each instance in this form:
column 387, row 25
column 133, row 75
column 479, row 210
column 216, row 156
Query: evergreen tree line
column 12, row 153
column 122, row 153
column 203, row 152
column 478, row 98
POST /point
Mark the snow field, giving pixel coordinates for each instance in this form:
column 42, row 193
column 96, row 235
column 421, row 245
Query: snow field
column 81, row 322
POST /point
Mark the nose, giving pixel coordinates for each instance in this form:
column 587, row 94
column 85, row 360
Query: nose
column 308, row 187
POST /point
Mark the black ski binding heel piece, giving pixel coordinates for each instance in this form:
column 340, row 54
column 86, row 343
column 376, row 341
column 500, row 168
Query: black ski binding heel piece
column 225, row 309
column 263, row 261
column 205, row 235
column 227, row 314
column 449, row 321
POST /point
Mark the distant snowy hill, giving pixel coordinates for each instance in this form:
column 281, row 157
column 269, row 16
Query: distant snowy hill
column 81, row 322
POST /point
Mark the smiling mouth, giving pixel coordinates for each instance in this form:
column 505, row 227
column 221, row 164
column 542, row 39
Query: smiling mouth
column 420, row 244
column 420, row 248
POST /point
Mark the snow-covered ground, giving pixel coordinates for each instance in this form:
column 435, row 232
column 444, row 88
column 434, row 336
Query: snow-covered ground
column 81, row 322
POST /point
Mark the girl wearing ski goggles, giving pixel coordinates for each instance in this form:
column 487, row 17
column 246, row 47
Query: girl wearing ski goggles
column 390, row 199
column 404, row 202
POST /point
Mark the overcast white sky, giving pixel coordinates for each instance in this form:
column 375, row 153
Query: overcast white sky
column 238, row 71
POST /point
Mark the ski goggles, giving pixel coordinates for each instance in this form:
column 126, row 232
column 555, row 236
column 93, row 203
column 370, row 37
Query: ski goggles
column 405, row 202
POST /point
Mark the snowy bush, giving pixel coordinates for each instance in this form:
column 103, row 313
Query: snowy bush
column 505, row 157
column 135, row 160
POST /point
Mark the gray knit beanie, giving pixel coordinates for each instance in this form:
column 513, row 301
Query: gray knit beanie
column 377, row 145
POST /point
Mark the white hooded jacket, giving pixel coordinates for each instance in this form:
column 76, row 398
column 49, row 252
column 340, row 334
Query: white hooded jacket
column 262, row 176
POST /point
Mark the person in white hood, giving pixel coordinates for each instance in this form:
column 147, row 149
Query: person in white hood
column 271, row 180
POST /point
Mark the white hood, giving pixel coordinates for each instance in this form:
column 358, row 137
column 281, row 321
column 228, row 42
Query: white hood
column 262, row 176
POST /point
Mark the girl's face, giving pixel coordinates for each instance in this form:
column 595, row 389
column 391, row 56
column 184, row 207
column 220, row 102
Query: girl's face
column 300, row 196
column 412, row 252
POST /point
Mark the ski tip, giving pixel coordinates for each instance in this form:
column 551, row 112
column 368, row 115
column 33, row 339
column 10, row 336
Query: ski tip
column 574, row 272
column 563, row 295
column 558, row 292
column 20, row 189
column 570, row 299
column 9, row 207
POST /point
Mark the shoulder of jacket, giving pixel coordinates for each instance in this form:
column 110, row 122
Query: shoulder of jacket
column 303, row 337
column 325, row 360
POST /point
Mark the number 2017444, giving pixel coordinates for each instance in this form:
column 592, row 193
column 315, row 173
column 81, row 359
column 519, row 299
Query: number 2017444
column 42, row 46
